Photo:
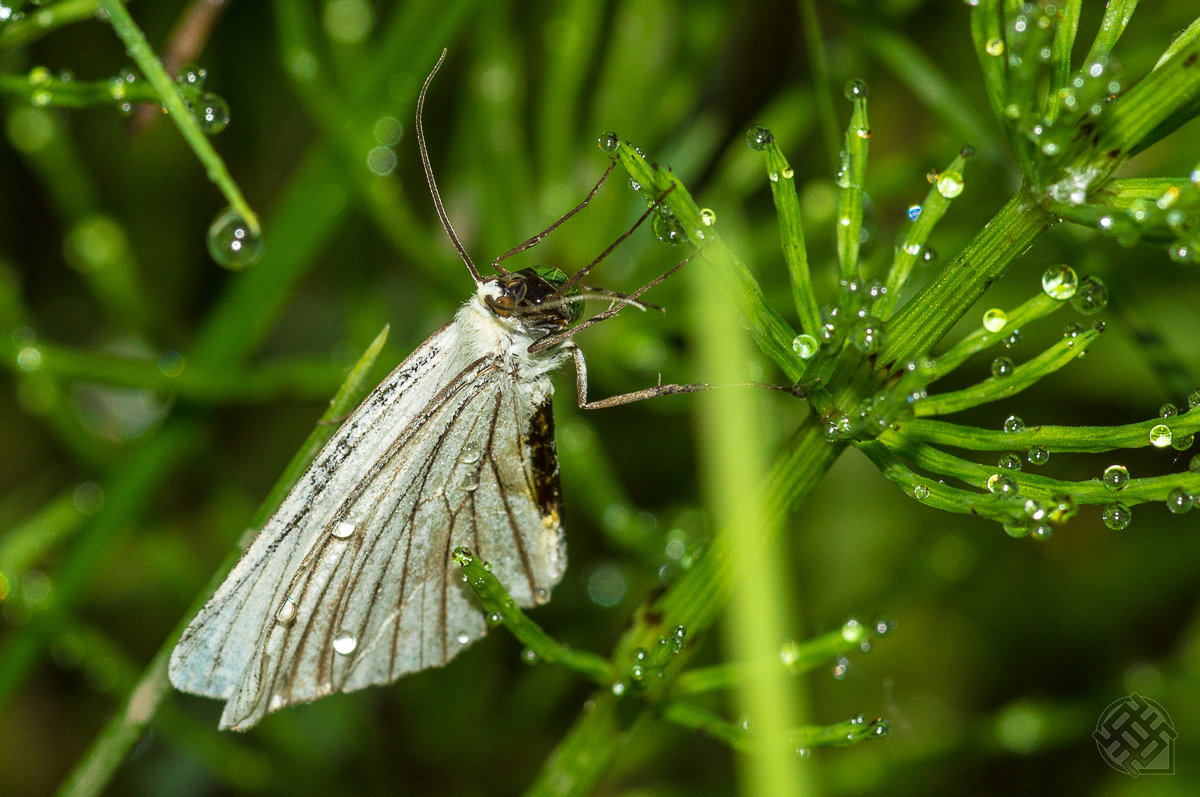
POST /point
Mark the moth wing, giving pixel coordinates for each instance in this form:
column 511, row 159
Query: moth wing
column 318, row 606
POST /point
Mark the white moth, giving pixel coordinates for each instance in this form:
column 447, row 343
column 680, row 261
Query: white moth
column 350, row 583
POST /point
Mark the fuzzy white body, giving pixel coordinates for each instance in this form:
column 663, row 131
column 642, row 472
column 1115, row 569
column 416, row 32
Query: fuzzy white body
column 350, row 582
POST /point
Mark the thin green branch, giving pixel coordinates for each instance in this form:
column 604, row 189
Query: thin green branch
column 1060, row 66
column 772, row 334
column 795, row 658
column 172, row 375
column 1033, row 485
column 851, row 175
column 168, row 95
column 982, row 338
column 1055, row 438
column 500, row 607
column 1023, row 376
column 791, row 236
column 41, row 21
column 42, row 89
column 932, row 209
column 1116, row 18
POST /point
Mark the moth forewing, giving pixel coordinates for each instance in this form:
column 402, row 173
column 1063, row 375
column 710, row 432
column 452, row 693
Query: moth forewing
column 349, row 584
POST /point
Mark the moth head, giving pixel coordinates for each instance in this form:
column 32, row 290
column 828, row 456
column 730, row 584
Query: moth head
column 533, row 295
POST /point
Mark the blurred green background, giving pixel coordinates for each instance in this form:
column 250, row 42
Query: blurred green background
column 170, row 393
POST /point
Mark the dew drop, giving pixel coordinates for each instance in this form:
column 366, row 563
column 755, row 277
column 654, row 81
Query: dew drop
column 1193, row 399
column 1060, row 282
column 1160, row 436
column 842, row 176
column 708, row 217
column 343, row 529
column 868, row 335
column 856, row 90
column 1180, row 252
column 668, row 229
column 1183, row 442
column 345, row 643
column 608, row 142
column 914, row 212
column 470, row 453
column 994, row 320
column 967, row 152
column 805, row 346
column 920, row 492
column 1013, row 424
column 1168, row 410
column 950, row 184
column 231, row 242
column 1038, row 455
column 286, row 612
column 1117, row 516
column 1091, row 296
column 1179, row 501
column 1002, row 367
column 999, row 484
column 994, row 47
column 758, row 137
column 1010, row 462
column 462, row 638
column 1116, row 477
column 472, row 483
column 212, row 113
column 1012, row 339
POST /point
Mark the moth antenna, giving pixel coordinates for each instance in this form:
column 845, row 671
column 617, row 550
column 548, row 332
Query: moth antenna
column 581, row 273
column 555, row 338
column 533, row 240
column 433, row 189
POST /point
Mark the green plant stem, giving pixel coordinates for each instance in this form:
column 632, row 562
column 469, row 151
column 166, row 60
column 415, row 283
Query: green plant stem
column 927, row 317
column 142, row 54
column 585, row 753
column 1153, row 107
column 733, row 463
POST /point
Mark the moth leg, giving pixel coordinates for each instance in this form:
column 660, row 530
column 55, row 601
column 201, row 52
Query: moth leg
column 624, row 398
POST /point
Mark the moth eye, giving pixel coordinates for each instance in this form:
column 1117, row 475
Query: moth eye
column 515, row 291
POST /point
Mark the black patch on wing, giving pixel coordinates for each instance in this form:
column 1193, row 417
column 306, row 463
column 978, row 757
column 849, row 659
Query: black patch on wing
column 543, row 457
